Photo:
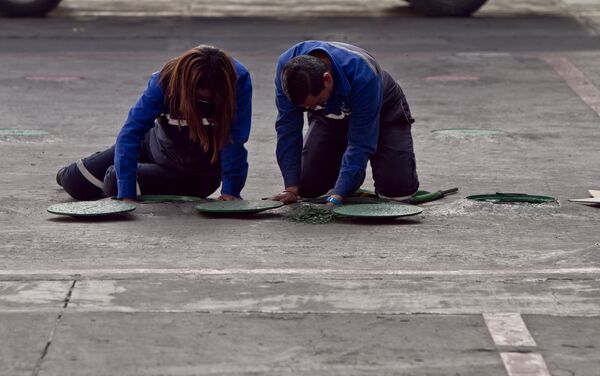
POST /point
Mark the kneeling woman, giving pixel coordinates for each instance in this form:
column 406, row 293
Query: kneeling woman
column 184, row 136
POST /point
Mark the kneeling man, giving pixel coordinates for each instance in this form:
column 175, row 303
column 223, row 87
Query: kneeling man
column 356, row 113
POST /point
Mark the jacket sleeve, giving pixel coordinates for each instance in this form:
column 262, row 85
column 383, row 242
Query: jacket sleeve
column 289, row 123
column 234, row 156
column 139, row 121
column 363, row 132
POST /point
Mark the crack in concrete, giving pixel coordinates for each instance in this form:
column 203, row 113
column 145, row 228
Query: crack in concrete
column 38, row 364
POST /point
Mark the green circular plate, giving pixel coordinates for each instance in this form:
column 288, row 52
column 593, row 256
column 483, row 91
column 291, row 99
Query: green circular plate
column 347, row 200
column 167, row 198
column 12, row 132
column 507, row 198
column 382, row 210
column 238, row 206
column 91, row 208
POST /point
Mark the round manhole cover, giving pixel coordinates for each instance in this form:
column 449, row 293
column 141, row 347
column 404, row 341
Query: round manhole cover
column 53, row 78
column 512, row 198
column 451, row 78
column 23, row 135
column 91, row 208
column 382, row 210
column 237, row 206
column 468, row 132
column 11, row 132
column 153, row 199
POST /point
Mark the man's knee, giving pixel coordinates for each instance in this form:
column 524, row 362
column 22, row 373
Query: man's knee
column 400, row 182
column 312, row 189
column 392, row 189
column 110, row 182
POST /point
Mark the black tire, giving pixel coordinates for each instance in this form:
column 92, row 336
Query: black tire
column 27, row 8
column 447, row 8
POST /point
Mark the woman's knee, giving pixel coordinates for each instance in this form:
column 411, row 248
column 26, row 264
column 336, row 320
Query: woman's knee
column 77, row 185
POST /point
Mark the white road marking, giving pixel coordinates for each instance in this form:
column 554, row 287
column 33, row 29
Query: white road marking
column 508, row 329
column 524, row 364
column 576, row 80
column 291, row 271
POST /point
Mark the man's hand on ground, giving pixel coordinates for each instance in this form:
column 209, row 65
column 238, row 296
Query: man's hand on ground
column 288, row 196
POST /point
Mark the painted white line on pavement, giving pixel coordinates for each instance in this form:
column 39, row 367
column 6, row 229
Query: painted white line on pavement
column 524, row 364
column 292, row 271
column 508, row 329
column 576, row 80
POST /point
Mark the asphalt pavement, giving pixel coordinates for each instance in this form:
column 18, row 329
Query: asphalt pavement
column 465, row 288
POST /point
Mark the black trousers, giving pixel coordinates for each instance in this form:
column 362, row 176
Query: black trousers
column 94, row 177
column 393, row 164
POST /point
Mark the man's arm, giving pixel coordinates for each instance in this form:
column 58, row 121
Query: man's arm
column 289, row 123
column 363, row 132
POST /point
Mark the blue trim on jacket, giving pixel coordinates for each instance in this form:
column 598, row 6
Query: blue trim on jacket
column 234, row 156
column 357, row 90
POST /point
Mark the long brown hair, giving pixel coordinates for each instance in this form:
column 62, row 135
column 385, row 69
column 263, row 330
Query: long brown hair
column 202, row 67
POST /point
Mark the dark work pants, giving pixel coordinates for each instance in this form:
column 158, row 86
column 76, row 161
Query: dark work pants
column 94, row 177
column 393, row 164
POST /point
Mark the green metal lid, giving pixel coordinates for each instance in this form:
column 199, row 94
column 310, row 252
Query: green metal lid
column 467, row 132
column 13, row 132
column 238, row 206
column 507, row 198
column 347, row 200
column 167, row 198
column 363, row 196
column 91, row 208
column 381, row 210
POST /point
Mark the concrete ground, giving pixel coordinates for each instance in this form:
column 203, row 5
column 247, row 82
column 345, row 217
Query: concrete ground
column 465, row 288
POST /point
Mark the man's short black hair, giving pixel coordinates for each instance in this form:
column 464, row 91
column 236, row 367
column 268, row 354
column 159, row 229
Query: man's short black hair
column 301, row 76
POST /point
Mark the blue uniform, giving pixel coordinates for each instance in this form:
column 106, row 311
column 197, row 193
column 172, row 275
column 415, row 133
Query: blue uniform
column 358, row 93
column 142, row 116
